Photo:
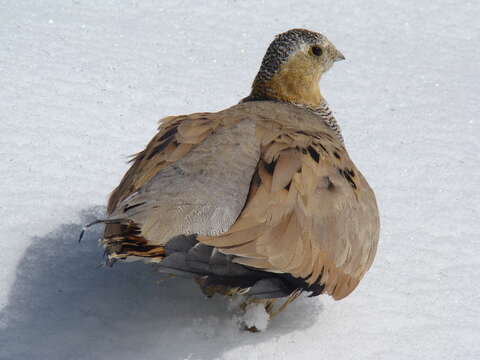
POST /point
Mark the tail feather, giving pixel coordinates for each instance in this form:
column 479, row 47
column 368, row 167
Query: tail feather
column 123, row 240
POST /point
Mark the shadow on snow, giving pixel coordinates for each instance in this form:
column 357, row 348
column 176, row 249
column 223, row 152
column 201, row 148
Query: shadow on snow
column 63, row 305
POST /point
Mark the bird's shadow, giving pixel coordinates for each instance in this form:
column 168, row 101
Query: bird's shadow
column 63, row 305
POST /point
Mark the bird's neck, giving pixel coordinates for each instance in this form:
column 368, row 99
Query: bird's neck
column 327, row 116
column 305, row 94
column 291, row 86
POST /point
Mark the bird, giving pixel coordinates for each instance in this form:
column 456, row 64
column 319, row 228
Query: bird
column 260, row 199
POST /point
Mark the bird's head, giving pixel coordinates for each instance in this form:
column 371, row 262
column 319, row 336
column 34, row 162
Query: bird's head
column 292, row 67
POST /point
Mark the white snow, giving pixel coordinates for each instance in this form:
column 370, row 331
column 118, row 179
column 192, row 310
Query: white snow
column 82, row 86
column 254, row 317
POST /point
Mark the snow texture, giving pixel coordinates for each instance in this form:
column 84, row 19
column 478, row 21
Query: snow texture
column 82, row 86
column 255, row 316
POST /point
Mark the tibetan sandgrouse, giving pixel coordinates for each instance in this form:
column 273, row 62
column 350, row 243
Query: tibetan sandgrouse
column 260, row 199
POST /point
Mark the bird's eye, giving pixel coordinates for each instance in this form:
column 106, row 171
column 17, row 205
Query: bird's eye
column 317, row 50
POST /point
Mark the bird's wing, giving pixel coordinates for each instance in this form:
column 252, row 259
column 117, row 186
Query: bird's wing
column 193, row 177
column 310, row 212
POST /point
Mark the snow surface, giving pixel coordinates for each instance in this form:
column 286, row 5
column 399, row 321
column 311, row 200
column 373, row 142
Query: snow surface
column 82, row 86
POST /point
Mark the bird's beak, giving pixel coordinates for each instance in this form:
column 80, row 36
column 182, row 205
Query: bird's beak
column 339, row 56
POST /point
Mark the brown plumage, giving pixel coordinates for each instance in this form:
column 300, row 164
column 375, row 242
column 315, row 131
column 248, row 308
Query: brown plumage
column 261, row 198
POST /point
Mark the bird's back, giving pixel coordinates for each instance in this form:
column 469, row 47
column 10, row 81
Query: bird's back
column 239, row 181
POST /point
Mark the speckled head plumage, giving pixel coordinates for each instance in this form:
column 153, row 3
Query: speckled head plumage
column 292, row 67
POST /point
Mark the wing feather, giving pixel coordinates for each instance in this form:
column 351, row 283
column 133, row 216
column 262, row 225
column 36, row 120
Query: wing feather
column 311, row 214
column 193, row 177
